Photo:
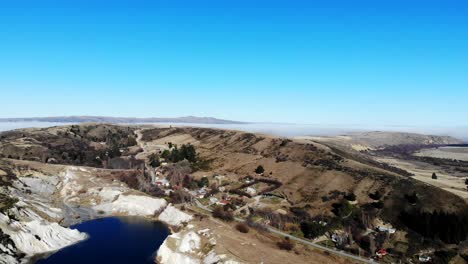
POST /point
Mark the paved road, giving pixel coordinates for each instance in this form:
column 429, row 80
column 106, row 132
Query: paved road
column 312, row 244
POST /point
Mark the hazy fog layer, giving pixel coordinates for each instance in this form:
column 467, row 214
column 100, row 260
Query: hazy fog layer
column 289, row 130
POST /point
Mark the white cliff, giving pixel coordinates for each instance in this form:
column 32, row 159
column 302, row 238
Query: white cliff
column 174, row 216
column 133, row 205
column 189, row 246
column 35, row 237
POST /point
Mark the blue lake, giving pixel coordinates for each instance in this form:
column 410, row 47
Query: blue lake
column 114, row 240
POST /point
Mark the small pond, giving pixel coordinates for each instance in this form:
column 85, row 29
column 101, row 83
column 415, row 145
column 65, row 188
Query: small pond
column 114, row 240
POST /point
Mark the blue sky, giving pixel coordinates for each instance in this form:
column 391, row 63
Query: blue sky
column 313, row 62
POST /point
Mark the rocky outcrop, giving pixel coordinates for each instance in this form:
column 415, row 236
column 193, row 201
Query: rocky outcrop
column 35, row 237
column 192, row 247
column 27, row 237
column 175, row 249
column 133, row 205
column 174, row 216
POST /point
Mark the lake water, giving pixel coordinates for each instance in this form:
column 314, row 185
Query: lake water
column 115, row 240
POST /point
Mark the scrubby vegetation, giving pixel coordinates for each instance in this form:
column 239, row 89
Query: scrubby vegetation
column 223, row 213
column 154, row 160
column 350, row 197
column 180, row 196
column 286, row 244
column 413, row 198
column 6, row 202
column 204, row 182
column 91, row 145
column 243, row 228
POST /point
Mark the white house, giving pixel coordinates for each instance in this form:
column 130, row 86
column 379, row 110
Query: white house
column 213, row 200
column 161, row 182
column 423, row 258
column 386, row 229
column 251, row 190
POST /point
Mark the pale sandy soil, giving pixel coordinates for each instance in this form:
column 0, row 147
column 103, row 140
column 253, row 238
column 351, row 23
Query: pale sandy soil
column 455, row 185
column 458, row 153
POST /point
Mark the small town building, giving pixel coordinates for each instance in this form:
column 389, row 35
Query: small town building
column 251, row 190
column 382, row 252
column 213, row 200
column 162, row 182
column 386, row 229
column 424, row 258
column 222, row 202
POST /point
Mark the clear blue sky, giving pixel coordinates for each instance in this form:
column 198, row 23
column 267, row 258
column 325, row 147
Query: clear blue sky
column 329, row 62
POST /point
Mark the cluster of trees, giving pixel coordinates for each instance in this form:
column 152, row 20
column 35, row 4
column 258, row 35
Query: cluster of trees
column 223, row 213
column 186, row 151
column 177, row 172
column 313, row 229
column 191, row 183
column 412, row 198
column 154, row 160
column 342, row 209
column 350, row 197
column 451, row 228
column 203, row 182
column 180, row 196
column 375, row 195
column 255, row 225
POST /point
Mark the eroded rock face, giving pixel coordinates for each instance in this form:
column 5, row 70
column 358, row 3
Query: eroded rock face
column 36, row 236
column 191, row 246
column 133, row 205
column 174, row 216
column 29, row 226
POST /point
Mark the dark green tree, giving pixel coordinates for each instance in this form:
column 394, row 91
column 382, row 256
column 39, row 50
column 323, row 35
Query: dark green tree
column 154, row 160
column 165, row 154
column 204, row 182
column 350, row 197
column 259, row 169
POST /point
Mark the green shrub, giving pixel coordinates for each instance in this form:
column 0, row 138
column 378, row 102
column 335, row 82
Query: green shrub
column 286, row 244
column 259, row 169
column 243, row 228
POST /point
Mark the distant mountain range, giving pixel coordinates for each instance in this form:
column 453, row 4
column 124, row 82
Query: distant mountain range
column 109, row 119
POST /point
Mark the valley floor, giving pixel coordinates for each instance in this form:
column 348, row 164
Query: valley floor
column 423, row 172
